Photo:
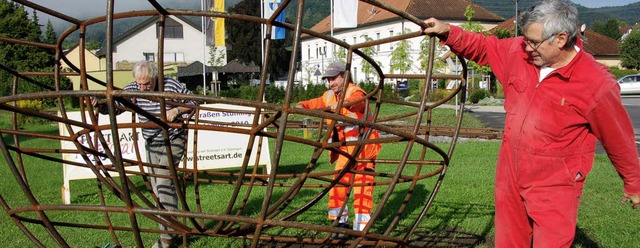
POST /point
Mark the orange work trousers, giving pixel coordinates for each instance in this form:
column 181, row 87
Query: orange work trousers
column 363, row 195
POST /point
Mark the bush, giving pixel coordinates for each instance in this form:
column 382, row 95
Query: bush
column 275, row 94
column 618, row 73
column 35, row 105
column 387, row 93
column 499, row 91
column 478, row 95
column 435, row 96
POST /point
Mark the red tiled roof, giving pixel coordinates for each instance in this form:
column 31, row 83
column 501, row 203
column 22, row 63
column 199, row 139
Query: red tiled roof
column 441, row 9
column 595, row 43
column 598, row 44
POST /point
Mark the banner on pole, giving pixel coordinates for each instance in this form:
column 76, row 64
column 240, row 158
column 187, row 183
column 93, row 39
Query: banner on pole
column 345, row 13
column 269, row 7
column 219, row 24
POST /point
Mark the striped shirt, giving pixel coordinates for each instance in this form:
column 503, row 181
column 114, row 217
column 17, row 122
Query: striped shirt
column 153, row 107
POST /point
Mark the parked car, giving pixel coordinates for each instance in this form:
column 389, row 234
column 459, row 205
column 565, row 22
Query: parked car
column 629, row 84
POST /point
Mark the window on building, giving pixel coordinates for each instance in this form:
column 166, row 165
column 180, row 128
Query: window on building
column 173, row 57
column 378, row 38
column 354, row 40
column 172, row 29
column 149, row 57
column 309, row 51
column 323, row 50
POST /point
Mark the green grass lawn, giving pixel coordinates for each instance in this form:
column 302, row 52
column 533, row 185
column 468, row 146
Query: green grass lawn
column 462, row 214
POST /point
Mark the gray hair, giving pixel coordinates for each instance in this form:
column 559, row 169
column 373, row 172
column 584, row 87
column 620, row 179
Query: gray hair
column 556, row 16
column 144, row 69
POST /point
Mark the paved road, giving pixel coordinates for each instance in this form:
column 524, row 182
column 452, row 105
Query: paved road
column 493, row 116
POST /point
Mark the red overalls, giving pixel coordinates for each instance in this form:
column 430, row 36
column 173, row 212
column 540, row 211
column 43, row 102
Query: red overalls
column 363, row 195
column 550, row 138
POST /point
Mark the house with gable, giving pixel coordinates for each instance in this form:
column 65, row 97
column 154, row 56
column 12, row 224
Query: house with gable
column 93, row 66
column 184, row 47
column 183, row 43
column 377, row 24
column 91, row 60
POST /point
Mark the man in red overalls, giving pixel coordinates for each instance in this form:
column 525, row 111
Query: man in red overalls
column 558, row 101
column 363, row 200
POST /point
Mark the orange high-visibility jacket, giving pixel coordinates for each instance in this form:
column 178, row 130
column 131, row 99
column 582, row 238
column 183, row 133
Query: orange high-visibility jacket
column 357, row 111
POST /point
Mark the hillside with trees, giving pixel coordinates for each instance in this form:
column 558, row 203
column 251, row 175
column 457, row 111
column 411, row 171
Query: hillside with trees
column 630, row 13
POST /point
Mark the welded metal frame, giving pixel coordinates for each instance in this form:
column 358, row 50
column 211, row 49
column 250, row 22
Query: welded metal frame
column 271, row 122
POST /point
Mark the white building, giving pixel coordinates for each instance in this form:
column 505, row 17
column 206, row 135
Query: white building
column 183, row 44
column 377, row 24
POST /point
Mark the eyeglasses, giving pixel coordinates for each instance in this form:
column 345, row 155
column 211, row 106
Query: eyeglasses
column 535, row 44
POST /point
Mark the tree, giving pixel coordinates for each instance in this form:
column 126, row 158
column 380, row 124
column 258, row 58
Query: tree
column 473, row 26
column 340, row 55
column 630, row 51
column 217, row 57
column 14, row 23
column 245, row 40
column 370, row 51
column 34, row 28
column 93, row 45
column 310, row 70
column 502, row 33
column 400, row 57
column 611, row 28
column 245, row 44
column 438, row 64
column 50, row 36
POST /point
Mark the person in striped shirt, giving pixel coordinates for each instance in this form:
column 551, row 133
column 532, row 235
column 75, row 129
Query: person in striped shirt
column 145, row 74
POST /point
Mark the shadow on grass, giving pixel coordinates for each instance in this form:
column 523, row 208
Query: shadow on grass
column 444, row 227
column 583, row 240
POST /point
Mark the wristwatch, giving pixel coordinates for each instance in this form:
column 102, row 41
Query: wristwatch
column 179, row 111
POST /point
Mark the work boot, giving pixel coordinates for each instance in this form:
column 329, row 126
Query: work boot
column 340, row 235
column 166, row 243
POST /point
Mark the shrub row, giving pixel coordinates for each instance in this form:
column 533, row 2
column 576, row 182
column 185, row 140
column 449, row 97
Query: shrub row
column 274, row 94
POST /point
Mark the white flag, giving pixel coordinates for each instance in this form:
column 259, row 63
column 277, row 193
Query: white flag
column 345, row 13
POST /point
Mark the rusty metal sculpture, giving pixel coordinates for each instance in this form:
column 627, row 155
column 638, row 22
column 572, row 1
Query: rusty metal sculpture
column 277, row 213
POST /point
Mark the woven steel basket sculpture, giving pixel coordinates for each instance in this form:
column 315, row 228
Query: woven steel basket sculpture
column 280, row 205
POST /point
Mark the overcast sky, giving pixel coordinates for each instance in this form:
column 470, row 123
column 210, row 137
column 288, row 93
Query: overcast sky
column 83, row 9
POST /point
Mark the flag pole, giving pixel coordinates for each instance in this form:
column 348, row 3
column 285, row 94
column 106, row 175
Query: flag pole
column 333, row 47
column 204, row 53
column 262, row 32
column 332, row 16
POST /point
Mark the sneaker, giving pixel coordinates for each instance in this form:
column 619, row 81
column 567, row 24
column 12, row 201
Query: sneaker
column 166, row 243
column 340, row 235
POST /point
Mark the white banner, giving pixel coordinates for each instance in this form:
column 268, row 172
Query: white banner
column 345, row 13
column 215, row 149
column 223, row 149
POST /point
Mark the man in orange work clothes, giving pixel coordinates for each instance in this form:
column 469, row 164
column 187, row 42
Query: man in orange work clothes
column 363, row 200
